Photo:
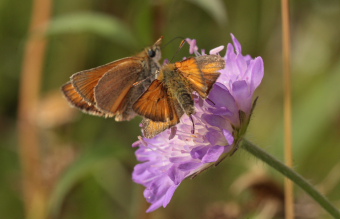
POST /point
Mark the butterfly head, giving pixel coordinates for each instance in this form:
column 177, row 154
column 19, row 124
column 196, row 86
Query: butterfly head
column 154, row 52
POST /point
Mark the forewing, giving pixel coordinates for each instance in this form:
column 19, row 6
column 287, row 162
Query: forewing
column 191, row 72
column 85, row 81
column 155, row 103
column 77, row 101
column 114, row 87
column 210, row 65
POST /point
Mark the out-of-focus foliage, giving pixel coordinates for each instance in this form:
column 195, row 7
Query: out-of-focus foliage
column 99, row 24
column 89, row 160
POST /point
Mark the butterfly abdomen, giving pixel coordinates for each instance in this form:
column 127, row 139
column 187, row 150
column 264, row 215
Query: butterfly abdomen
column 179, row 89
column 186, row 101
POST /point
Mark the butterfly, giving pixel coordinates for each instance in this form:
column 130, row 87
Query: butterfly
column 111, row 89
column 171, row 94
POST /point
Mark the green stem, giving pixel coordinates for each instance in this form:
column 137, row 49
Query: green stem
column 291, row 174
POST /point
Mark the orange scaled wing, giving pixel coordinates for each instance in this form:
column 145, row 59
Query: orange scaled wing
column 191, row 72
column 85, row 81
column 155, row 104
column 112, row 89
column 210, row 65
column 153, row 128
column 77, row 101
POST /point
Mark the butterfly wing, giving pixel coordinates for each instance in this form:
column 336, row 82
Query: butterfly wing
column 152, row 128
column 77, row 101
column 85, row 81
column 114, row 89
column 155, row 103
column 192, row 73
column 210, row 65
column 201, row 72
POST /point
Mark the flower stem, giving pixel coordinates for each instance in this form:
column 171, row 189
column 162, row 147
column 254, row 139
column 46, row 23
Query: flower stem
column 34, row 187
column 291, row 174
column 287, row 109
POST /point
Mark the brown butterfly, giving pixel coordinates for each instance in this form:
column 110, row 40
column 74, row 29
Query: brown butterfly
column 171, row 94
column 111, row 89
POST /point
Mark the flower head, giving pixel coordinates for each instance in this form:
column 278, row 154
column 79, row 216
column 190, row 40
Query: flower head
column 220, row 122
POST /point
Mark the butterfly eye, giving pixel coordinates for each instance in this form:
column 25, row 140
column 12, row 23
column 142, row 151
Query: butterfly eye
column 152, row 53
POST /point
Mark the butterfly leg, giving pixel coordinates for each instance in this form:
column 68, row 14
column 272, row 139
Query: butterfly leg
column 210, row 101
column 193, row 125
column 139, row 82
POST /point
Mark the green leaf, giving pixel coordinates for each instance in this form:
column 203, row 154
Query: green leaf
column 291, row 174
column 90, row 162
column 115, row 179
column 215, row 8
column 143, row 22
column 102, row 25
column 312, row 113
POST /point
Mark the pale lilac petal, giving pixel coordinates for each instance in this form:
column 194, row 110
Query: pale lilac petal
column 230, row 52
column 166, row 61
column 136, row 144
column 214, row 136
column 176, row 176
column 178, row 159
column 223, row 103
column 189, row 166
column 258, row 72
column 221, row 111
column 199, row 152
column 216, row 120
column 168, row 195
column 155, row 205
column 193, row 46
column 160, row 194
column 229, row 136
column 216, row 50
column 221, row 97
column 213, row 154
column 238, row 47
column 241, row 91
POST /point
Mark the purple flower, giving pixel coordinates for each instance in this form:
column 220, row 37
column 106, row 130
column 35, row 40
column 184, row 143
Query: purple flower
column 220, row 122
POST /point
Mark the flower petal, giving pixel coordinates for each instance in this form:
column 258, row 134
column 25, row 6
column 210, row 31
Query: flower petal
column 216, row 50
column 199, row 152
column 258, row 72
column 241, row 92
column 237, row 44
column 193, row 46
column 213, row 154
column 228, row 136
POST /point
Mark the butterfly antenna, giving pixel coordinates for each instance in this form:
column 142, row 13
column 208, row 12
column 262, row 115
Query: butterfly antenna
column 180, row 45
column 179, row 48
column 193, row 125
column 173, row 39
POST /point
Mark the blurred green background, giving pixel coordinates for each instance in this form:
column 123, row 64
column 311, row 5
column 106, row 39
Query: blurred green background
column 87, row 161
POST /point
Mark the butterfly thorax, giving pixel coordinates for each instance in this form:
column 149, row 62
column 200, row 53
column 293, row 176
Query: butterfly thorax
column 150, row 67
column 150, row 63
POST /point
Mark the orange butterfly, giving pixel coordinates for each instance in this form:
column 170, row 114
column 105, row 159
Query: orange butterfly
column 110, row 90
column 170, row 95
